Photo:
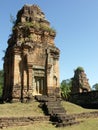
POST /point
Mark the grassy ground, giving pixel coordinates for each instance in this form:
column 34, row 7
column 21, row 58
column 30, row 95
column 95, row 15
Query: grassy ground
column 31, row 109
column 20, row 109
column 74, row 109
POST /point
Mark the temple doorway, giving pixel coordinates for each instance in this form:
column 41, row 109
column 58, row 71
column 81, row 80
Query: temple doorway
column 40, row 85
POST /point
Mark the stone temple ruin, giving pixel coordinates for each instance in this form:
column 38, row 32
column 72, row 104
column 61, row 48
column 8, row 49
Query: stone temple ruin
column 80, row 82
column 31, row 68
column 31, row 65
column 31, row 62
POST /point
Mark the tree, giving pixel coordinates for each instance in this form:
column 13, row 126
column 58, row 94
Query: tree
column 95, row 86
column 66, row 88
column 1, row 81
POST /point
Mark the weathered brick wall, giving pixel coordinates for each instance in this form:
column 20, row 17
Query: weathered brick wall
column 93, row 114
column 21, row 121
column 85, row 99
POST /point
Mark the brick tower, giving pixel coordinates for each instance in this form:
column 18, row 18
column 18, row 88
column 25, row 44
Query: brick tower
column 31, row 62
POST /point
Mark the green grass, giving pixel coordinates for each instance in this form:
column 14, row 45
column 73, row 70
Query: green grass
column 20, row 109
column 31, row 109
column 74, row 109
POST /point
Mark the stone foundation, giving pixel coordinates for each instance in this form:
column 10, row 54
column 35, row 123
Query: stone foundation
column 21, row 121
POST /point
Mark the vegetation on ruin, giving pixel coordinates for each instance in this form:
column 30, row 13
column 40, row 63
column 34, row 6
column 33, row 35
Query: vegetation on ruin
column 79, row 69
column 37, row 26
column 12, row 19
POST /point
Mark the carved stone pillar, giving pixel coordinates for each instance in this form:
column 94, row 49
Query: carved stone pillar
column 29, row 75
column 16, row 74
column 30, row 81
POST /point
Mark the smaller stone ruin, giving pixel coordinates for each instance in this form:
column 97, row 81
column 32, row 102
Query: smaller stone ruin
column 80, row 82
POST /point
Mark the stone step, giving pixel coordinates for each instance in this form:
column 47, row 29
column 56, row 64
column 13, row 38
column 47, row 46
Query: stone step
column 67, row 119
column 64, row 124
column 64, row 115
column 51, row 100
column 55, row 107
column 41, row 98
column 53, row 104
column 57, row 113
column 56, row 110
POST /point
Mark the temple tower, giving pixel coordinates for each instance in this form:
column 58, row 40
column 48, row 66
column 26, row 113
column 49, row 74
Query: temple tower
column 31, row 62
column 80, row 82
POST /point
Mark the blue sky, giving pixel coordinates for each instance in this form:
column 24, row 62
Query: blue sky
column 76, row 23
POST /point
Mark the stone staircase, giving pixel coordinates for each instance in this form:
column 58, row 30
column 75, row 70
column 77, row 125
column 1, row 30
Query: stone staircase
column 51, row 105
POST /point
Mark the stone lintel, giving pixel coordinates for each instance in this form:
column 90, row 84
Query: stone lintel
column 30, row 66
column 38, row 67
column 17, row 50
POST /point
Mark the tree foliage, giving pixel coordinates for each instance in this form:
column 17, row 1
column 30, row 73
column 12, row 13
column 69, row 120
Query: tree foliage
column 66, row 88
column 95, row 86
column 1, row 81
